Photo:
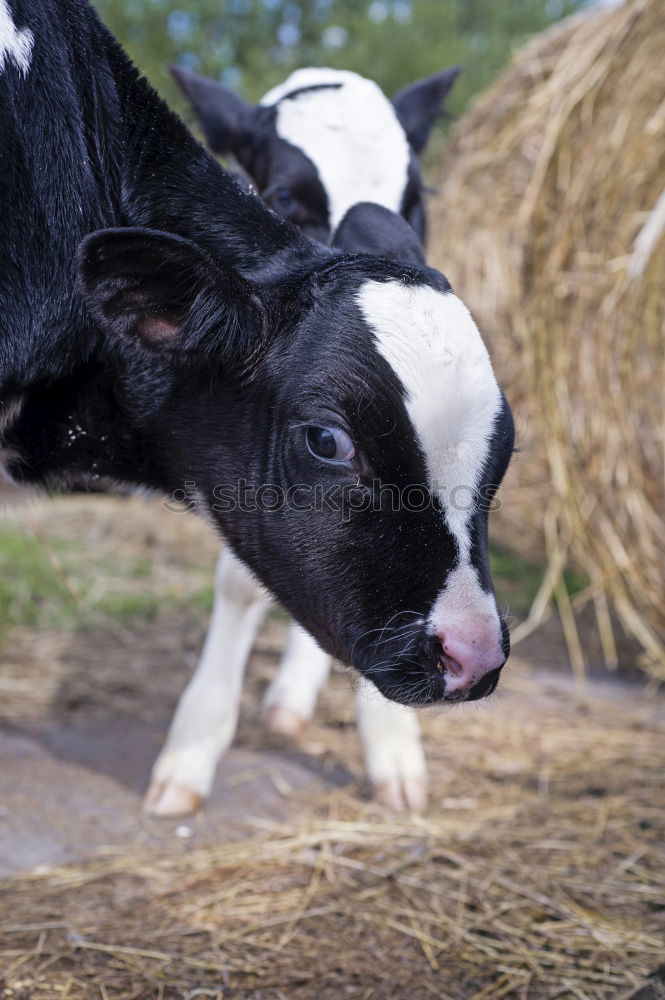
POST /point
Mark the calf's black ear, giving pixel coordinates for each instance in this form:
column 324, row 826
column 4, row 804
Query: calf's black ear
column 372, row 229
column 169, row 294
column 420, row 104
column 225, row 118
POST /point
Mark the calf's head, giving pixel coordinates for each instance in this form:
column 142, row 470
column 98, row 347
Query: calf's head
column 324, row 140
column 341, row 422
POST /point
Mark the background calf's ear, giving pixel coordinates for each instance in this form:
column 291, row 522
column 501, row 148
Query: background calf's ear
column 420, row 104
column 225, row 118
column 169, row 294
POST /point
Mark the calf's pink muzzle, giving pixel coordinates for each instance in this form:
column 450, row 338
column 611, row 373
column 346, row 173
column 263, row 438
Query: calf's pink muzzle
column 469, row 662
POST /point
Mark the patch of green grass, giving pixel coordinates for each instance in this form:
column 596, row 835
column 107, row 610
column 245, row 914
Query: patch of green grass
column 516, row 580
column 47, row 585
column 278, row 614
column 31, row 591
column 201, row 600
column 575, row 580
column 140, row 568
column 123, row 605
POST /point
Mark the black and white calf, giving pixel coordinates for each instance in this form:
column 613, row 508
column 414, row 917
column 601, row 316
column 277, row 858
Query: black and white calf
column 357, row 141
column 324, row 140
column 160, row 325
column 207, row 713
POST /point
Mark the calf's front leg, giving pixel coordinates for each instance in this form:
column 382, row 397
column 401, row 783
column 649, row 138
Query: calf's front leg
column 207, row 714
column 390, row 734
column 394, row 757
column 290, row 699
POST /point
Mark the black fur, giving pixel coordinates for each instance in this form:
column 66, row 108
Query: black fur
column 419, row 105
column 197, row 338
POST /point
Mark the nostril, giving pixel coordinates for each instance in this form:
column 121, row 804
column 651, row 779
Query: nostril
column 451, row 666
column 445, row 663
column 469, row 667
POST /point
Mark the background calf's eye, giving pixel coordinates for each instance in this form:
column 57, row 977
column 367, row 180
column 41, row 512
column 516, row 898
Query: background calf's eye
column 330, row 444
column 283, row 199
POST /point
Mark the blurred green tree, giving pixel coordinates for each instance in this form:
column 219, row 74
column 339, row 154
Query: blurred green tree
column 253, row 44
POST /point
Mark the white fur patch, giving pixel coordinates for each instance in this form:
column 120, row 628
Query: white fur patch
column 15, row 43
column 302, row 672
column 390, row 735
column 463, row 608
column 351, row 134
column 434, row 347
column 205, row 720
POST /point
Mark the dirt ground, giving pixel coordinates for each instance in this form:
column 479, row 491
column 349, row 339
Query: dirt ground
column 84, row 708
column 86, row 705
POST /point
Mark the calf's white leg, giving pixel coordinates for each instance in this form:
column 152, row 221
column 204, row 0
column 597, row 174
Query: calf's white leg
column 206, row 717
column 394, row 758
column 290, row 699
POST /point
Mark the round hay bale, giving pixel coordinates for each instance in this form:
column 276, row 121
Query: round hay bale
column 550, row 222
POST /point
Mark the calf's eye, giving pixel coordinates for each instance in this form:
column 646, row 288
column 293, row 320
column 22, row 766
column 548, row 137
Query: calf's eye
column 283, row 199
column 330, row 444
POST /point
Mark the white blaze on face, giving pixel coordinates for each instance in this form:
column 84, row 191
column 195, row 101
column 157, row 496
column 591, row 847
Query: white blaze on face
column 351, row 134
column 15, row 44
column 435, row 349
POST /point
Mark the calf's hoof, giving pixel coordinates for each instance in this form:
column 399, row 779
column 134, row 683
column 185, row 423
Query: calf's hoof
column 168, row 800
column 402, row 793
column 286, row 722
